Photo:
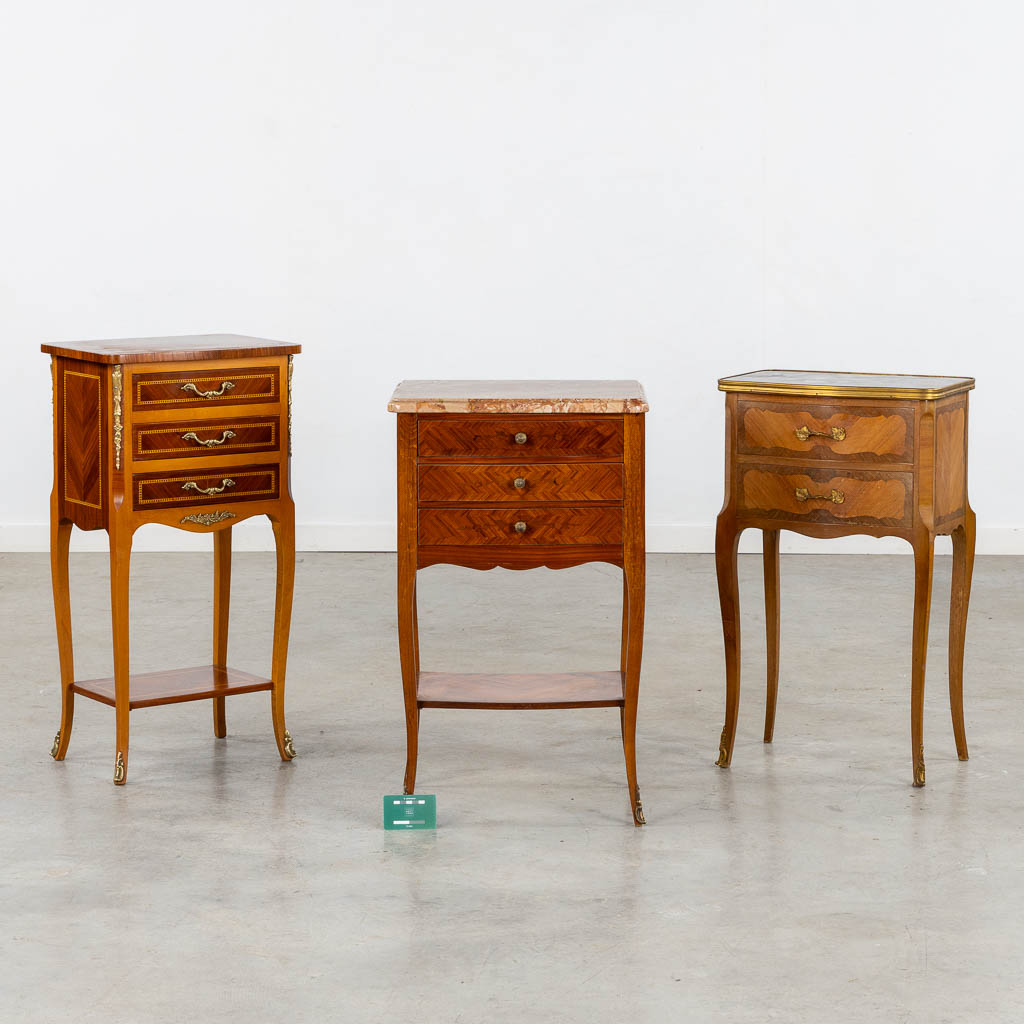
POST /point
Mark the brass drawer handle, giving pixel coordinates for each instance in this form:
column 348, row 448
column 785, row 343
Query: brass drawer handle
column 836, row 497
column 193, row 486
column 519, row 483
column 520, row 527
column 520, row 438
column 835, row 433
column 225, row 386
column 210, row 441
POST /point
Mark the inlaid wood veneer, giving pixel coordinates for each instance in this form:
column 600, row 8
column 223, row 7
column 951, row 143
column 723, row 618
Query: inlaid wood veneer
column 834, row 454
column 521, row 474
column 165, row 430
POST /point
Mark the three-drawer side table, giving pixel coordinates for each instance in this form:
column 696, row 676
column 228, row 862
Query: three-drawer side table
column 521, row 474
column 834, row 454
column 190, row 432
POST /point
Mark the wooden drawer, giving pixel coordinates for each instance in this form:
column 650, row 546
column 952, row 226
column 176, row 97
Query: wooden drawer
column 868, row 498
column 186, row 439
column 571, row 481
column 177, row 389
column 227, row 484
column 852, row 433
column 497, row 526
column 520, row 438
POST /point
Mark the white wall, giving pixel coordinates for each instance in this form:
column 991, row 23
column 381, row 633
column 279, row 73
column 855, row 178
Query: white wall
column 673, row 191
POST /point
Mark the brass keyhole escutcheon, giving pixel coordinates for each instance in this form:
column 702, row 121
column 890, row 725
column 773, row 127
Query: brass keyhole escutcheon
column 520, row 438
column 519, row 483
column 520, row 527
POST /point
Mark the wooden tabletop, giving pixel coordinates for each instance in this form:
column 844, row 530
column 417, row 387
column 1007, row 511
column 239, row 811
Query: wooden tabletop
column 519, row 396
column 166, row 350
column 865, row 385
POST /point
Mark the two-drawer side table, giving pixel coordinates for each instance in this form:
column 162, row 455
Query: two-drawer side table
column 834, row 454
column 521, row 474
column 190, row 432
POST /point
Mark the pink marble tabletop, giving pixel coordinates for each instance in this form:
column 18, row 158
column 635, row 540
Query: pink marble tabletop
column 518, row 396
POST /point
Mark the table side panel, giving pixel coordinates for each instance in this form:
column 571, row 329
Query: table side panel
column 950, row 460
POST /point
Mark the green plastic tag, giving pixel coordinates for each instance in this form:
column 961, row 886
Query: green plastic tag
column 410, row 811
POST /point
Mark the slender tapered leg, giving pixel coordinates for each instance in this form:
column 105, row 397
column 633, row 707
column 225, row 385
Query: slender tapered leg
column 408, row 647
column 771, row 625
column 284, row 537
column 120, row 562
column 221, row 606
column 408, row 635
column 727, row 540
column 960, row 596
column 924, row 557
column 624, row 647
column 60, row 543
column 635, row 581
column 634, row 570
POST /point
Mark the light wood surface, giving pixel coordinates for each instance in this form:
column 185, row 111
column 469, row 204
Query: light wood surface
column 160, row 350
column 103, row 433
column 519, row 396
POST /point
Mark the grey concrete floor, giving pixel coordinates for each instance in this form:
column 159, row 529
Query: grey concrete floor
column 810, row 882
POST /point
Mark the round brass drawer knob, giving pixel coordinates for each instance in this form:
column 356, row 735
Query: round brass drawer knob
column 520, row 438
column 519, row 483
column 520, row 527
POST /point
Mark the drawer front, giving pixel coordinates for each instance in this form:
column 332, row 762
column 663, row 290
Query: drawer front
column 185, row 439
column 519, row 438
column 203, row 487
column 567, row 481
column 827, row 432
column 175, row 389
column 497, row 526
column 868, row 498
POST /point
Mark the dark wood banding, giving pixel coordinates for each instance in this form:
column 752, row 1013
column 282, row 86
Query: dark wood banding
column 81, row 418
column 167, row 490
column 168, row 389
column 168, row 440
column 494, row 437
column 573, row 481
column 873, row 434
column 483, row 526
column 871, row 498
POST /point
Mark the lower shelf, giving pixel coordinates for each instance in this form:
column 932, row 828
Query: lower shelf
column 174, row 685
column 520, row 692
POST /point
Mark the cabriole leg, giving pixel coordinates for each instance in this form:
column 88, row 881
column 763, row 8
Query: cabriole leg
column 284, row 537
column 771, row 625
column 924, row 552
column 960, row 596
column 727, row 539
column 635, row 584
column 408, row 647
column 60, row 544
column 221, row 606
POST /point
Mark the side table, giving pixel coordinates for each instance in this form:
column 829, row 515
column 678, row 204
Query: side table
column 834, row 454
column 521, row 474
column 190, row 432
